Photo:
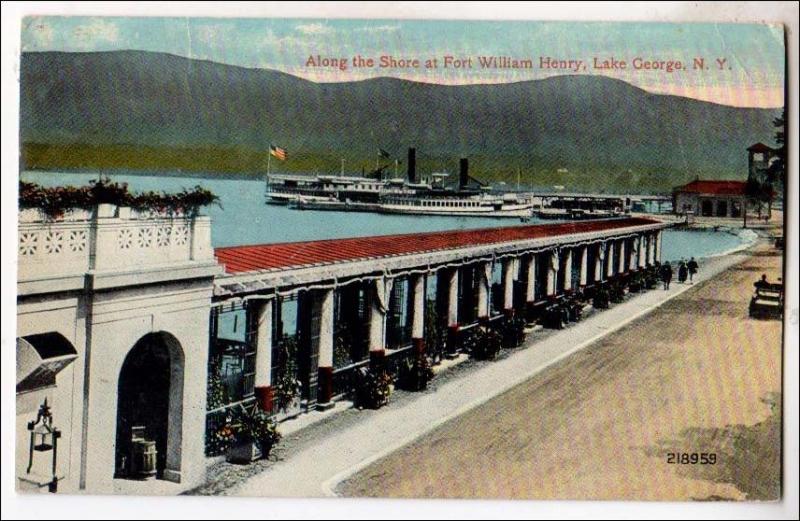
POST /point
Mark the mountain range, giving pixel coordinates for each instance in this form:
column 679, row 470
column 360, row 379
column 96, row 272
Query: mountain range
column 142, row 110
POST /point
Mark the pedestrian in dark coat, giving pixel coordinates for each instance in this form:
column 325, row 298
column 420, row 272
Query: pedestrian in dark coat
column 666, row 274
column 683, row 272
column 693, row 266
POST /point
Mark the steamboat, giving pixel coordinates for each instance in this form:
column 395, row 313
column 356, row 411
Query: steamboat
column 429, row 195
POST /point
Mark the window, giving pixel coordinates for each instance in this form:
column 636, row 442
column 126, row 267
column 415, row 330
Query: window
column 231, row 370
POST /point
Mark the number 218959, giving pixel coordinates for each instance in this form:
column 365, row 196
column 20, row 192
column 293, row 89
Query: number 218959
column 692, row 458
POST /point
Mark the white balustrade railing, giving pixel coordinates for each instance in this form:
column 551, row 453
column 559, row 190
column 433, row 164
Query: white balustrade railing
column 108, row 238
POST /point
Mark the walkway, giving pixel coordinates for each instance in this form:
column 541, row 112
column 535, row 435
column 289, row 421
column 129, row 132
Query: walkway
column 316, row 469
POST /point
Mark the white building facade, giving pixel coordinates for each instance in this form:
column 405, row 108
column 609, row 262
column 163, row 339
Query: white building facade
column 112, row 320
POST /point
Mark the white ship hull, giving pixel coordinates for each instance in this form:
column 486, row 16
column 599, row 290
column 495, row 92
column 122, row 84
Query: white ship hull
column 505, row 210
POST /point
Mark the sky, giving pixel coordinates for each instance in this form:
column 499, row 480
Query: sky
column 751, row 75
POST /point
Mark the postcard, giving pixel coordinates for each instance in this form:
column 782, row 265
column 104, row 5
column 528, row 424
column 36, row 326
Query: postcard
column 401, row 258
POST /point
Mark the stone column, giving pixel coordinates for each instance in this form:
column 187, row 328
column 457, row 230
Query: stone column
column 651, row 249
column 642, row 251
column 509, row 263
column 201, row 238
column 598, row 262
column 485, row 279
column 657, row 253
column 379, row 302
column 530, row 290
column 418, row 318
column 634, row 254
column 552, row 273
column 452, row 312
column 584, row 266
column 622, row 256
column 568, row 271
column 610, row 255
column 325, row 370
column 261, row 321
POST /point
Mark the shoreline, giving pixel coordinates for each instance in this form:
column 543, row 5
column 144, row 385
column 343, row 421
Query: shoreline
column 257, row 176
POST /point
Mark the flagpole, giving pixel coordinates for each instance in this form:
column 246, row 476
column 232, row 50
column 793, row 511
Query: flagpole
column 269, row 157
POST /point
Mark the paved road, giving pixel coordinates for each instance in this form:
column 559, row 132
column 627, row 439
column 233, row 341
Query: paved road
column 695, row 376
column 318, row 467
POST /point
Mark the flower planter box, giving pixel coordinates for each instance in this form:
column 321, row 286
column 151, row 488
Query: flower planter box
column 105, row 211
column 35, row 215
column 244, row 452
column 291, row 411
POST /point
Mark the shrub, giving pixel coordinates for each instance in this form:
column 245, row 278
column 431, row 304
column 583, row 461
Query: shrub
column 616, row 292
column 602, row 298
column 373, row 387
column 637, row 282
column 486, row 343
column 255, row 426
column 286, row 387
column 54, row 201
column 652, row 277
column 415, row 373
column 514, row 331
column 555, row 316
column 574, row 307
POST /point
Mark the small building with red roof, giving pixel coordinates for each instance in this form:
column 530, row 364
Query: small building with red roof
column 721, row 198
column 710, row 198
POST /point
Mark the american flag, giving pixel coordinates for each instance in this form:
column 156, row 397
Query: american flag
column 278, row 152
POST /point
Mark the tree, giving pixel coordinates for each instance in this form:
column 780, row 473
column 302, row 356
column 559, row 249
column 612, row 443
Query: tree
column 776, row 173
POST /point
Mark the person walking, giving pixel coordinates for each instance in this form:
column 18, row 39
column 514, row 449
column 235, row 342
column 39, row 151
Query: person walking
column 693, row 266
column 666, row 275
column 683, row 272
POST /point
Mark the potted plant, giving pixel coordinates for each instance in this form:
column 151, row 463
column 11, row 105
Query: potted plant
column 602, row 298
column 636, row 283
column 652, row 277
column 286, row 387
column 219, row 442
column 373, row 388
column 255, row 433
column 616, row 292
column 286, row 394
column 415, row 373
column 516, row 331
column 555, row 316
column 486, row 343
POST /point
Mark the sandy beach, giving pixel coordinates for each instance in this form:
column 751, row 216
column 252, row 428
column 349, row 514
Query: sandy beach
column 696, row 375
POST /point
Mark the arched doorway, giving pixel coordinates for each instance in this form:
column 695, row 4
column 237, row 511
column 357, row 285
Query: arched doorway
column 150, row 404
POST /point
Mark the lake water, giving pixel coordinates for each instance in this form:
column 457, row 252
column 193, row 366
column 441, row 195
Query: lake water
column 244, row 218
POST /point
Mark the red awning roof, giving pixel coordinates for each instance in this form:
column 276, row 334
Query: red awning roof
column 759, row 147
column 714, row 187
column 238, row 259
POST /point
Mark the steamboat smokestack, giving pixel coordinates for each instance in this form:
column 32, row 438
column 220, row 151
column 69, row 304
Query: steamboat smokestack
column 463, row 173
column 412, row 165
